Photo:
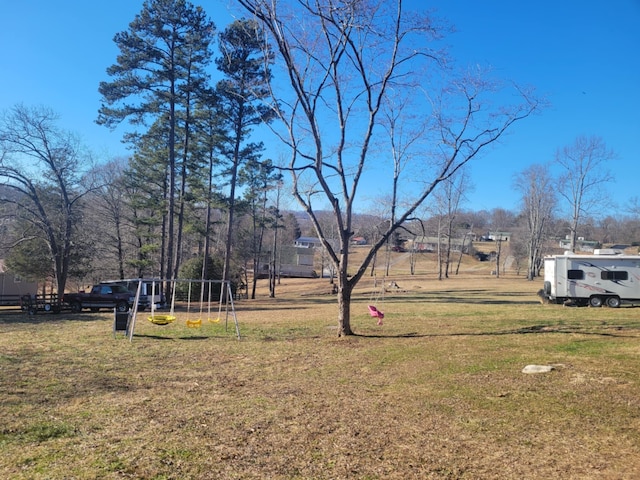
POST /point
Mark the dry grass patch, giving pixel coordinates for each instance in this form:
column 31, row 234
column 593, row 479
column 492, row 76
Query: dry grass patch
column 436, row 392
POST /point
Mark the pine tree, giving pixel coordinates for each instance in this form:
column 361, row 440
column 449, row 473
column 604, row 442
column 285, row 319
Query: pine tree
column 244, row 60
column 159, row 72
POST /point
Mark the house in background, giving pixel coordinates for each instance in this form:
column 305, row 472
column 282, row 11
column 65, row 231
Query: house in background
column 297, row 261
column 497, row 236
column 430, row 244
column 308, row 242
column 300, row 259
column 12, row 287
column 582, row 245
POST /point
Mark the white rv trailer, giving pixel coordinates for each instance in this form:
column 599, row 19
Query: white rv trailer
column 607, row 277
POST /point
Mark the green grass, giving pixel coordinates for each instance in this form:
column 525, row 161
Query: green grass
column 436, row 392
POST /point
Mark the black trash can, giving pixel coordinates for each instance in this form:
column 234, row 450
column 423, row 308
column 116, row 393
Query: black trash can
column 120, row 321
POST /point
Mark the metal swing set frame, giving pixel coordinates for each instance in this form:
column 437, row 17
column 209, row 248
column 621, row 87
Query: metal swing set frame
column 225, row 300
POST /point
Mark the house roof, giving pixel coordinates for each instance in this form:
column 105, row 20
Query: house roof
column 308, row 240
column 435, row 240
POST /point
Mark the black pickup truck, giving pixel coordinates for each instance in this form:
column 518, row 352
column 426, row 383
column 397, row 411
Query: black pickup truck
column 101, row 296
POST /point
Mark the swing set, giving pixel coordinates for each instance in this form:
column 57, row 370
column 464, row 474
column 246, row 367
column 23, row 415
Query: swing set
column 225, row 298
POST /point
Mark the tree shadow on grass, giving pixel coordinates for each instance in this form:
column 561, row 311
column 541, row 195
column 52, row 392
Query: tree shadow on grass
column 604, row 331
column 181, row 337
column 15, row 317
column 462, row 297
column 152, row 337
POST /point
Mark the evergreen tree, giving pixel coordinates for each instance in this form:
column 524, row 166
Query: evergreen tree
column 147, row 185
column 243, row 61
column 210, row 134
column 30, row 258
column 157, row 76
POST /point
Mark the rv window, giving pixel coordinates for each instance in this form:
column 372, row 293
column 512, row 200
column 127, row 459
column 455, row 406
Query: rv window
column 575, row 275
column 614, row 275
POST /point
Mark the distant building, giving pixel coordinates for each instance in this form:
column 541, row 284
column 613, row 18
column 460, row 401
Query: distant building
column 582, row 245
column 501, row 236
column 308, row 242
column 296, row 261
column 430, row 244
column 12, row 287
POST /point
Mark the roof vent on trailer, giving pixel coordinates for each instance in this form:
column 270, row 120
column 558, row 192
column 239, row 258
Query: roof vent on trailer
column 607, row 251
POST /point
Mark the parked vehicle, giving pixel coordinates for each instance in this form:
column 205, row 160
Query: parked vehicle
column 149, row 291
column 607, row 277
column 33, row 304
column 101, row 296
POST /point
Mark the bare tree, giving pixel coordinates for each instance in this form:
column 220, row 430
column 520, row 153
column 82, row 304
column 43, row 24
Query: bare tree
column 633, row 207
column 277, row 224
column 501, row 219
column 585, row 172
column 447, row 204
column 342, row 61
column 632, row 222
column 41, row 167
column 403, row 133
column 536, row 186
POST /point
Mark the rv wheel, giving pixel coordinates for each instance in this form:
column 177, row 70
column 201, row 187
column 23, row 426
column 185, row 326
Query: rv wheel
column 613, row 302
column 595, row 301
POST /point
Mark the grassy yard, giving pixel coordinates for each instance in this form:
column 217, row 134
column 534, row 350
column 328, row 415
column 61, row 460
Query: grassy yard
column 437, row 392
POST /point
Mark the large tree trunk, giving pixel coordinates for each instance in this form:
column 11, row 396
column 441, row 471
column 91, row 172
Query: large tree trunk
column 344, row 306
column 345, row 285
column 172, row 193
column 531, row 267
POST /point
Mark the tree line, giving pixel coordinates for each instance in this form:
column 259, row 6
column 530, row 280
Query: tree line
column 360, row 86
column 70, row 217
column 563, row 198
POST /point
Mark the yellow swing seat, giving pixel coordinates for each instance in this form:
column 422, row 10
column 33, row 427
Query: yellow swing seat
column 161, row 319
column 194, row 323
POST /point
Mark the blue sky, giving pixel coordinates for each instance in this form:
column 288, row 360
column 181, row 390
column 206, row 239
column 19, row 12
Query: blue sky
column 583, row 55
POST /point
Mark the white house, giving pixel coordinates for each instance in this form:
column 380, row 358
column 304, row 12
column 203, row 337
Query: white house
column 308, row 242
